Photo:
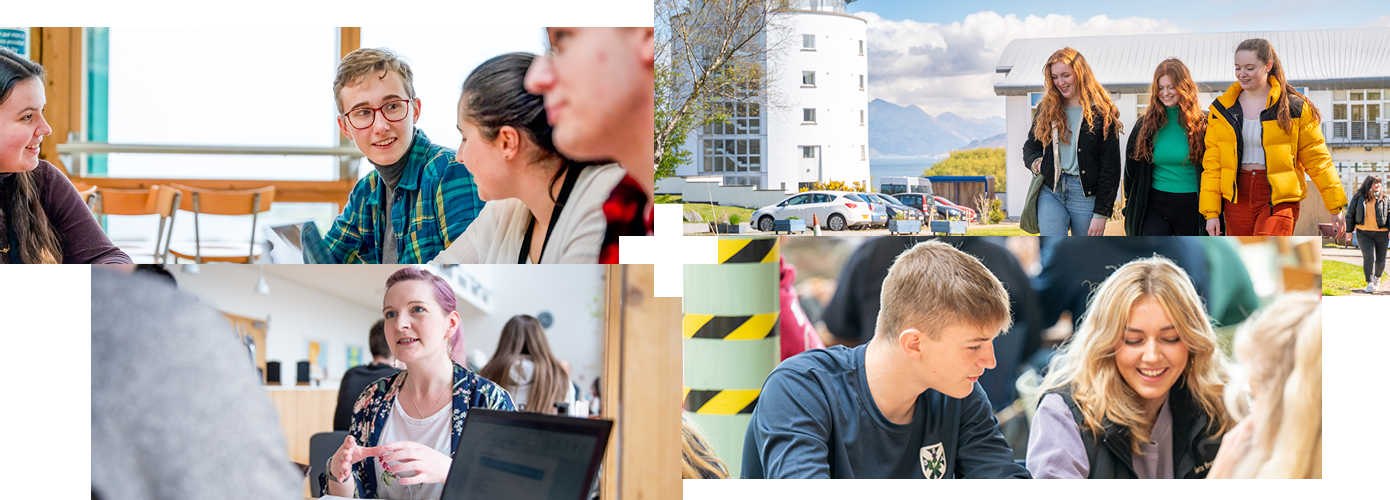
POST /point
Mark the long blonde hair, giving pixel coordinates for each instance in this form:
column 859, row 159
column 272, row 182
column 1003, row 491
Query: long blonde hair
column 1085, row 365
column 1282, row 349
column 697, row 456
column 1093, row 97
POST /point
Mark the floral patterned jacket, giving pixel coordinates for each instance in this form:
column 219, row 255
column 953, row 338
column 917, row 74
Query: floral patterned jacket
column 374, row 406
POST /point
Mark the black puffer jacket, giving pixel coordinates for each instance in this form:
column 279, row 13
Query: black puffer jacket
column 1098, row 156
column 1356, row 212
column 1193, row 448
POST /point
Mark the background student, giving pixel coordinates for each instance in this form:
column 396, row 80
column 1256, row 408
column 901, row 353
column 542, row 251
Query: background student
column 1281, row 436
column 1367, row 212
column 1137, row 391
column 42, row 217
column 1263, row 139
column 416, row 200
column 904, row 405
column 358, row 377
column 525, row 367
column 1074, row 144
column 404, row 427
column 544, row 208
column 1162, row 173
column 598, row 87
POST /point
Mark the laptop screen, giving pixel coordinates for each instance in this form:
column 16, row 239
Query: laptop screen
column 512, row 455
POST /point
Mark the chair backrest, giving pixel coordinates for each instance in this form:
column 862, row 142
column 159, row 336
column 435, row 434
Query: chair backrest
column 226, row 202
column 123, row 201
column 322, row 446
column 86, row 191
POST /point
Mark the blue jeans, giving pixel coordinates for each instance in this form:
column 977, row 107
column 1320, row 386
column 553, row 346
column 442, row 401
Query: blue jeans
column 1067, row 208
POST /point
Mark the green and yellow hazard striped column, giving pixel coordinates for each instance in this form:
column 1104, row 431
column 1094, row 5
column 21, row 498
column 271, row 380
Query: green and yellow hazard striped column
column 731, row 343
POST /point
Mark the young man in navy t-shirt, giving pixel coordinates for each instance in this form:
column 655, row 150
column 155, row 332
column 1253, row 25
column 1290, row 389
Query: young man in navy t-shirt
column 905, row 405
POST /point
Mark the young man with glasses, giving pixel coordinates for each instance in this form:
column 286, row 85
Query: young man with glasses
column 598, row 90
column 417, row 200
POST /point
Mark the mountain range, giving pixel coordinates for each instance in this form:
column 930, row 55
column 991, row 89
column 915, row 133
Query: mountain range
column 909, row 131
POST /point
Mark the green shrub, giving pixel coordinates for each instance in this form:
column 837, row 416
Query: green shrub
column 735, row 219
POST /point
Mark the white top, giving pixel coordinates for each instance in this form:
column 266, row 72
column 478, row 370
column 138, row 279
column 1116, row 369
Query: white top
column 495, row 236
column 522, row 373
column 432, row 431
column 1252, row 134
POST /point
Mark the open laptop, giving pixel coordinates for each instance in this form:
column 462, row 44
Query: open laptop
column 525, row 456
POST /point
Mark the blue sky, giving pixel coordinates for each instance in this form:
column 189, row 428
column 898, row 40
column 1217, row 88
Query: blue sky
column 940, row 56
column 1210, row 15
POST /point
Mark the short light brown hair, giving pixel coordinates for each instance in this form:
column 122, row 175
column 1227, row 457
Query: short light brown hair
column 360, row 63
column 933, row 286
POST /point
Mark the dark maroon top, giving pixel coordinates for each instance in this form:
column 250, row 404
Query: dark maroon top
column 79, row 234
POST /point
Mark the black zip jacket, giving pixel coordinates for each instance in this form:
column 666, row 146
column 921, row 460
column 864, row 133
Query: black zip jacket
column 1193, row 448
column 1098, row 156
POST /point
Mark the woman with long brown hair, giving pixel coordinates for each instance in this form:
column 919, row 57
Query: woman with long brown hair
column 1162, row 173
column 524, row 366
column 1263, row 138
column 1074, row 144
column 42, row 217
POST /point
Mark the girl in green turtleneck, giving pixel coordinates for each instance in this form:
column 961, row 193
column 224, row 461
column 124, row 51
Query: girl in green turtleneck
column 1163, row 160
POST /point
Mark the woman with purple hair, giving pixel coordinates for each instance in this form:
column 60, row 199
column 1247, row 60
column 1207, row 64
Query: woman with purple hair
column 404, row 427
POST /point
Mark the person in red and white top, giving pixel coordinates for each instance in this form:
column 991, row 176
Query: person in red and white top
column 598, row 88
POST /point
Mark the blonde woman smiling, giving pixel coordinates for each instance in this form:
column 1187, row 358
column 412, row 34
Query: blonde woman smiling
column 1137, row 391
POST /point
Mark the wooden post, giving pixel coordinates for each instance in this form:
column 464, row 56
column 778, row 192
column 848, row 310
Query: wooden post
column 60, row 51
column 641, row 387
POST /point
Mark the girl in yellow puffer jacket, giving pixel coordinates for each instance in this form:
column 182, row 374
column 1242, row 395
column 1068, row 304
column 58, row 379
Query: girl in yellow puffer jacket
column 1263, row 137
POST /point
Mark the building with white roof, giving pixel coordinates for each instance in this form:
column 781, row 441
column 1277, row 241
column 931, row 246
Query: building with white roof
column 1344, row 72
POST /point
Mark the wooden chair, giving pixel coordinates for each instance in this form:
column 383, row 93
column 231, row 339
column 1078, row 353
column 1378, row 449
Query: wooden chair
column 157, row 200
column 86, row 192
column 201, row 201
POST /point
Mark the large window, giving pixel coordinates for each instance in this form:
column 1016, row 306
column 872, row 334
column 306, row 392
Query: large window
column 1356, row 115
column 743, row 119
column 733, row 155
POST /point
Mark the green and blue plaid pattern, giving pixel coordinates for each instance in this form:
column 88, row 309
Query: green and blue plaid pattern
column 434, row 203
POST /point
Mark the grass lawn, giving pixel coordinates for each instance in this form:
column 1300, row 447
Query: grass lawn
column 1339, row 278
column 997, row 230
column 709, row 212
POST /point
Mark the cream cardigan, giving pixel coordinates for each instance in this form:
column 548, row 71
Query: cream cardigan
column 495, row 236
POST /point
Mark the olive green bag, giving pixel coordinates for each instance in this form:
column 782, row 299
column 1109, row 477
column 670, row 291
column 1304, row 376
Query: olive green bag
column 1028, row 221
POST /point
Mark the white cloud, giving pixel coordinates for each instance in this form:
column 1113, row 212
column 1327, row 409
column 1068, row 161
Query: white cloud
column 1382, row 21
column 950, row 67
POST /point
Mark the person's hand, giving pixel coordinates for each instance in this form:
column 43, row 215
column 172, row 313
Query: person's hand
column 1097, row 227
column 1339, row 223
column 1234, row 445
column 429, row 465
column 1036, row 165
column 347, row 455
column 1214, row 226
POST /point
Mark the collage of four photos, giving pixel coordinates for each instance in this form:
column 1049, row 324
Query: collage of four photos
column 898, row 198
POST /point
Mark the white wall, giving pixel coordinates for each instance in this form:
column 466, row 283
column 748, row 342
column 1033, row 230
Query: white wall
column 573, row 294
column 836, row 97
column 299, row 314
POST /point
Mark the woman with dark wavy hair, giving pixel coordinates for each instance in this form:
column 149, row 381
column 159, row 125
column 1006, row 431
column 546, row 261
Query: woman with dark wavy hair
column 42, row 217
column 1163, row 169
column 543, row 207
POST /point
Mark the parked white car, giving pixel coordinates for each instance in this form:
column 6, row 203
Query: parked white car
column 836, row 210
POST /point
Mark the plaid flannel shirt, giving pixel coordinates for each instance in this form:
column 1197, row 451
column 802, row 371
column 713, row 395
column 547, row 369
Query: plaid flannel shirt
column 434, row 203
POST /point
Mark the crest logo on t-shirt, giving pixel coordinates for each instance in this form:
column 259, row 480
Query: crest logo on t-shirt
column 933, row 461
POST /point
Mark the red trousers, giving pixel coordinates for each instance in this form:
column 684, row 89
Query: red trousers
column 1252, row 214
